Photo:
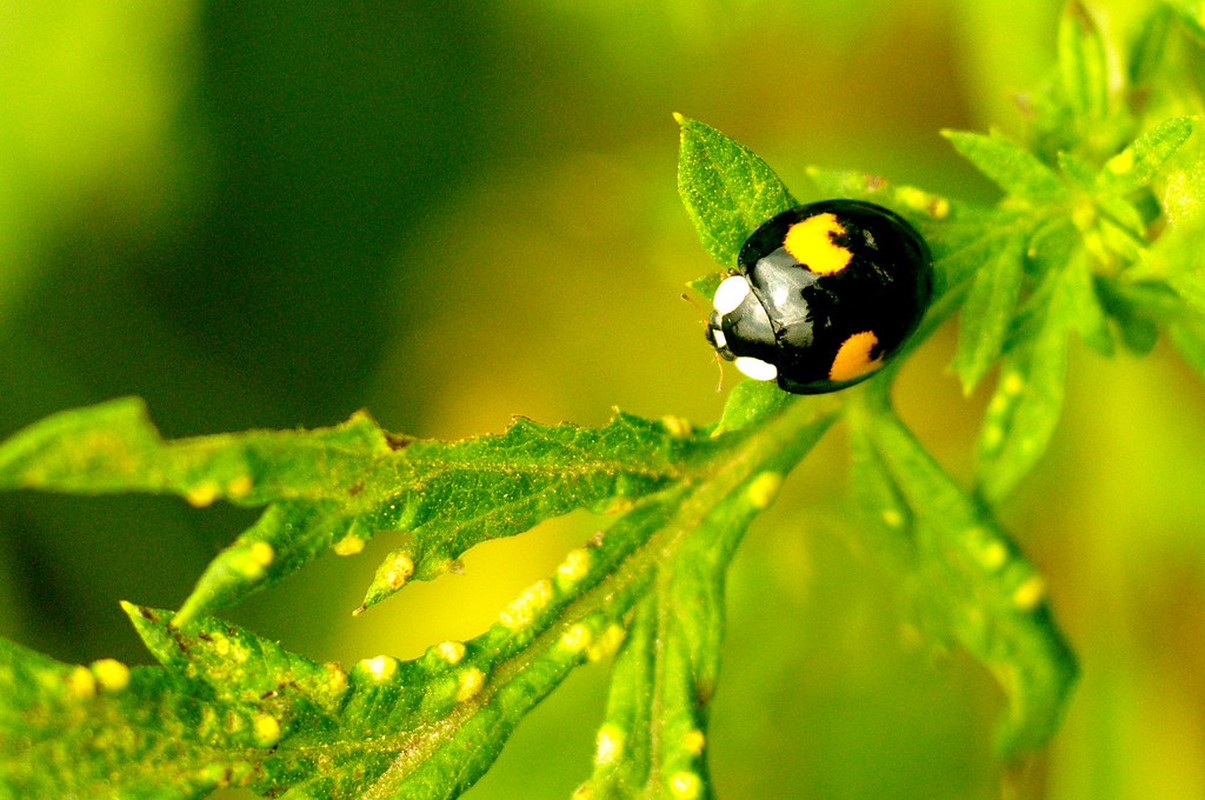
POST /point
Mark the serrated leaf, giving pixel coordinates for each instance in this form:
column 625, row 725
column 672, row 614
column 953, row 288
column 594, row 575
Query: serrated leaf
column 728, row 190
column 985, row 317
column 336, row 488
column 1013, row 168
column 652, row 742
column 1028, row 399
column 1083, row 63
column 969, row 575
column 1136, row 165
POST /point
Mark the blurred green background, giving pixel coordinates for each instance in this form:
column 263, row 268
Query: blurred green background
column 270, row 215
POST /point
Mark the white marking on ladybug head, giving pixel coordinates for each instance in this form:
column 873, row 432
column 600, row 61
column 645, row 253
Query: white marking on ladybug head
column 717, row 336
column 756, row 369
column 730, row 294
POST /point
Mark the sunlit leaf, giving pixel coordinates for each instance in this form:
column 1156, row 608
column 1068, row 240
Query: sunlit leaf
column 727, row 189
column 1134, row 166
column 967, row 574
column 988, row 310
column 336, row 488
column 1013, row 168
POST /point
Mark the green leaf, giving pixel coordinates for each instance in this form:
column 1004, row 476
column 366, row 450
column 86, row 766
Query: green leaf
column 652, row 742
column 989, row 307
column 1188, row 335
column 965, row 571
column 1149, row 45
column 1013, row 168
column 1192, row 14
column 1027, row 402
column 728, row 191
column 1135, row 166
column 1083, row 63
column 336, row 488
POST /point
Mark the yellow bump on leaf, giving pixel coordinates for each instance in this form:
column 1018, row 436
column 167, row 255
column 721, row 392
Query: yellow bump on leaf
column 577, row 638
column 810, row 242
column 400, row 570
column 266, row 730
column 694, row 741
column 575, row 566
column 1030, row 593
column 993, row 555
column 469, row 684
column 892, row 518
column 853, row 358
column 254, row 559
column 607, row 643
column 685, row 786
column 1121, row 163
column 349, row 545
column 380, row 668
column 583, row 792
column 676, row 426
column 111, row 674
column 239, row 487
column 608, row 745
column 81, row 683
column 203, row 493
column 451, row 652
column 524, row 608
column 762, row 490
column 1012, row 384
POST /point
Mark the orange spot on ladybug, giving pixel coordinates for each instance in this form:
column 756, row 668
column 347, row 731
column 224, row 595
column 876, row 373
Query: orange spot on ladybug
column 810, row 242
column 853, row 358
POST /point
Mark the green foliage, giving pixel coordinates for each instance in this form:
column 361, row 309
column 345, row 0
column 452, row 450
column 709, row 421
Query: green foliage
column 1095, row 234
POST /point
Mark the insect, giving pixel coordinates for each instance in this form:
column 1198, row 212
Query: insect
column 825, row 294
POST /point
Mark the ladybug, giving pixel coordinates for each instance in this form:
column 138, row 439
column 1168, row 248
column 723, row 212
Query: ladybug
column 825, row 294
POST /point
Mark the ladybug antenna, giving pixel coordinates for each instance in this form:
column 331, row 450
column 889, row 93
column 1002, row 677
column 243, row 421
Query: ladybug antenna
column 715, row 354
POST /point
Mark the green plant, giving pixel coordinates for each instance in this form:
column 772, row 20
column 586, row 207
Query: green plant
column 1095, row 235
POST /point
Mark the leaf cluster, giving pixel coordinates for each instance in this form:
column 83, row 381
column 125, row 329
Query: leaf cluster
column 1094, row 235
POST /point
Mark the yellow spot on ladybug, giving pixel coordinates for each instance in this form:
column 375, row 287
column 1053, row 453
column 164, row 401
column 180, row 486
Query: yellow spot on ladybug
column 685, row 786
column 694, row 741
column 1030, row 593
column 577, row 638
column 203, row 493
column 853, row 358
column 469, row 686
column 451, row 652
column 349, row 545
column 607, row 642
column 763, row 489
column 575, row 566
column 81, row 683
column 380, row 668
column 111, row 674
column 608, row 745
column 524, row 608
column 239, row 487
column 810, row 242
column 266, row 730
